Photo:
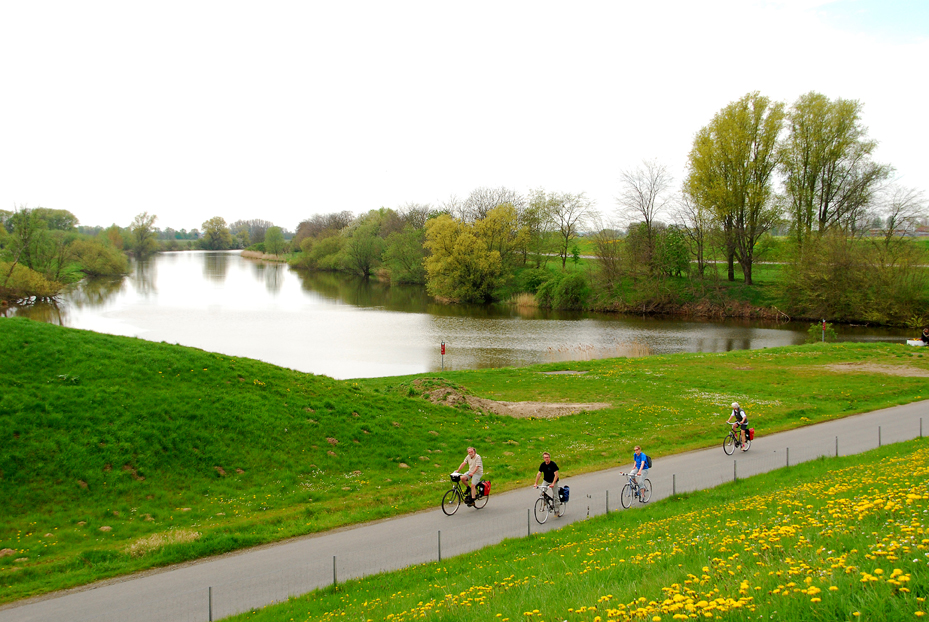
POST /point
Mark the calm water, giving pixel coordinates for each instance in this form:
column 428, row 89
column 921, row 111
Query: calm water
column 349, row 328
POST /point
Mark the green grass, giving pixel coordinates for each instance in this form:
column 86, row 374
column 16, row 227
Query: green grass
column 183, row 453
column 836, row 539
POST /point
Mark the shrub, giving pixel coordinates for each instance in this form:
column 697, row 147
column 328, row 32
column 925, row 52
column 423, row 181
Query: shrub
column 572, row 292
column 23, row 282
column 97, row 259
column 815, row 333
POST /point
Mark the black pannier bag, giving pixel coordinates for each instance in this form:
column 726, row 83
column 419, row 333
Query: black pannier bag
column 563, row 493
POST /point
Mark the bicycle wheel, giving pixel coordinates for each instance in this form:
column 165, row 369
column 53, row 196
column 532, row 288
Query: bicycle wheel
column 541, row 510
column 625, row 497
column 481, row 501
column 451, row 501
column 747, row 443
column 729, row 444
column 645, row 491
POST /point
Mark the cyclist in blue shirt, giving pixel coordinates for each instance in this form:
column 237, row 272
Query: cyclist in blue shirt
column 640, row 470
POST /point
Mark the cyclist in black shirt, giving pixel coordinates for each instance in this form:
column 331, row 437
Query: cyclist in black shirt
column 548, row 471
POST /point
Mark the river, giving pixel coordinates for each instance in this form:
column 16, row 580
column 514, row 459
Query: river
column 347, row 327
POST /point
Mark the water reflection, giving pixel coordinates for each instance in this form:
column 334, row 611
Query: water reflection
column 349, row 327
column 47, row 310
column 144, row 274
column 215, row 266
column 95, row 292
column 271, row 273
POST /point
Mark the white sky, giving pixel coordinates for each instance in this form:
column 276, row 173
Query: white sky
column 279, row 110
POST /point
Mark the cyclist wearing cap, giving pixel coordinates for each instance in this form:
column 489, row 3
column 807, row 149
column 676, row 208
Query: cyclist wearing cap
column 740, row 423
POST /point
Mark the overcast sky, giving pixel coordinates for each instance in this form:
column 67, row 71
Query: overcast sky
column 281, row 110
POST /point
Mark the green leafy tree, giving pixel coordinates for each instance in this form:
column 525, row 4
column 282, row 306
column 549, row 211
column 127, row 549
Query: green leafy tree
column 113, row 235
column 96, row 258
column 671, row 256
column 501, row 232
column 362, row 249
column 539, row 220
column 27, row 236
column 57, row 219
column 274, row 241
column 830, row 179
column 460, row 266
column 404, row 256
column 216, row 235
column 142, row 234
column 730, row 171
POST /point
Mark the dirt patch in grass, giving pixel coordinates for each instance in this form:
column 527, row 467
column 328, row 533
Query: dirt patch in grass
column 448, row 396
column 892, row 370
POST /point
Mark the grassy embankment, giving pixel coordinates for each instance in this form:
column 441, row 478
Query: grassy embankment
column 838, row 539
column 118, row 454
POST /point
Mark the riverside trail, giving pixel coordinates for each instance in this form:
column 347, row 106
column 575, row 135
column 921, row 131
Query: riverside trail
column 216, row 587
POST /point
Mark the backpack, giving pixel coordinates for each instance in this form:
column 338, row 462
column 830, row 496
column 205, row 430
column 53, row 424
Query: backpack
column 648, row 461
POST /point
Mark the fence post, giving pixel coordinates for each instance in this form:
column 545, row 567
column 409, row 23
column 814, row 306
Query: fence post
column 210, row 598
column 878, row 436
column 335, row 579
column 836, row 446
column 920, row 427
column 673, row 484
column 440, row 545
column 607, row 500
column 735, row 474
column 528, row 522
column 788, row 456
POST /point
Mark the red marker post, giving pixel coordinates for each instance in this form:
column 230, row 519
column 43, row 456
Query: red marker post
column 824, row 332
column 443, row 356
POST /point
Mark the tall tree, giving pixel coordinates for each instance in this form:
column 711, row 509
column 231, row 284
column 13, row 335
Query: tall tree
column 142, row 234
column 216, row 235
column 730, row 171
column 274, row 240
column 826, row 160
column 697, row 224
column 643, row 198
column 570, row 213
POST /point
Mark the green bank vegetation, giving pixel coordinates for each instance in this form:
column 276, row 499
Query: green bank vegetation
column 836, row 539
column 119, row 454
column 765, row 182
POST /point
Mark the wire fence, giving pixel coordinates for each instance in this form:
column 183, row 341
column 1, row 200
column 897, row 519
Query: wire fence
column 385, row 549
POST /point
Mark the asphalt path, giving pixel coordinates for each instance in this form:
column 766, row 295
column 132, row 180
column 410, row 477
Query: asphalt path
column 221, row 586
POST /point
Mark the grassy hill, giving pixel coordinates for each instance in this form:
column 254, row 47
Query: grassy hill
column 118, row 454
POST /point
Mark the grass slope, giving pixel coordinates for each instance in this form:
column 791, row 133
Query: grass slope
column 837, row 539
column 118, row 454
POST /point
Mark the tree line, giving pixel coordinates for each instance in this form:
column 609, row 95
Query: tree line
column 804, row 172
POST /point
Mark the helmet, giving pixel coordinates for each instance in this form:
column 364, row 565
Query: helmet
column 735, row 404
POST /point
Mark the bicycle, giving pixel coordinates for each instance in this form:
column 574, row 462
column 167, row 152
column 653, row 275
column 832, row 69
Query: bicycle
column 453, row 498
column 732, row 441
column 545, row 505
column 635, row 490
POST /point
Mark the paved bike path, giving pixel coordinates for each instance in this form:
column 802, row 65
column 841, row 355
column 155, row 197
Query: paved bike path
column 227, row 584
